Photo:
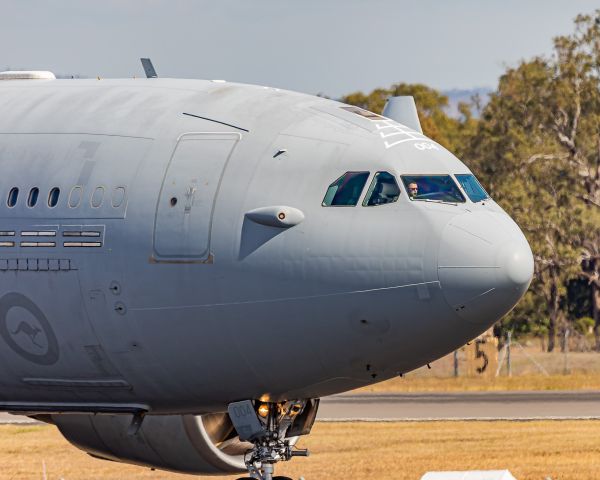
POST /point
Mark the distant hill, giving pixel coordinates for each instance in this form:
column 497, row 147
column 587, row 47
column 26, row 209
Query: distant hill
column 455, row 96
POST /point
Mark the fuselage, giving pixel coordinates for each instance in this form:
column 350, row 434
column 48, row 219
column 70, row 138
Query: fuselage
column 134, row 275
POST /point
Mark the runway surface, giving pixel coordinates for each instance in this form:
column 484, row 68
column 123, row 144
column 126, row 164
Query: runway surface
column 461, row 406
column 8, row 419
column 558, row 405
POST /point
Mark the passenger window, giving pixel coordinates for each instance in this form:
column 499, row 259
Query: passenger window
column 75, row 196
column 472, row 187
column 53, row 197
column 13, row 196
column 97, row 197
column 383, row 189
column 346, row 190
column 436, row 188
column 118, row 196
column 33, row 197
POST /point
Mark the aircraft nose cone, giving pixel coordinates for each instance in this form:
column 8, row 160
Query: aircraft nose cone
column 485, row 266
column 516, row 264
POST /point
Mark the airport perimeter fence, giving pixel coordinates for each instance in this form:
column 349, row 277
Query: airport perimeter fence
column 491, row 357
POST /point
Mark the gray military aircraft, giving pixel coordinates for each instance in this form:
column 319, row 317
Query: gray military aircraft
column 187, row 266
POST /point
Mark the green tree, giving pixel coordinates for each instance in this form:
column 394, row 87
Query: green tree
column 575, row 120
column 538, row 149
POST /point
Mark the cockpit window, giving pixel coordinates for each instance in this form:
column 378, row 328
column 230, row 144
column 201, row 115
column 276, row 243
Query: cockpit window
column 383, row 189
column 346, row 190
column 472, row 187
column 437, row 188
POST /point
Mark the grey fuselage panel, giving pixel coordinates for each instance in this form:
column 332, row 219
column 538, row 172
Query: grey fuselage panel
column 147, row 284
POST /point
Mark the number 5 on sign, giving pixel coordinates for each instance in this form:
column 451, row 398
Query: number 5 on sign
column 482, row 357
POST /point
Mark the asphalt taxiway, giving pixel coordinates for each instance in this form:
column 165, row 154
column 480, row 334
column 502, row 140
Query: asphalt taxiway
column 527, row 405
column 394, row 407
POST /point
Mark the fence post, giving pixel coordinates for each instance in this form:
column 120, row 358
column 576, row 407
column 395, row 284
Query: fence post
column 508, row 364
column 456, row 363
column 566, row 340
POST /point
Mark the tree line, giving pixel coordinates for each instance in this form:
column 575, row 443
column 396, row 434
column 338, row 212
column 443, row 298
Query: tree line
column 535, row 146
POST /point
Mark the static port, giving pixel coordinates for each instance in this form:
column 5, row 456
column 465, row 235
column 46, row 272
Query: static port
column 173, row 201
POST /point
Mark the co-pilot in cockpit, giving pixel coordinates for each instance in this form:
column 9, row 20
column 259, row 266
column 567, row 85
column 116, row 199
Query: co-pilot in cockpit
column 442, row 188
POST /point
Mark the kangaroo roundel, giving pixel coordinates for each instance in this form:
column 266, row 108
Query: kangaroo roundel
column 25, row 329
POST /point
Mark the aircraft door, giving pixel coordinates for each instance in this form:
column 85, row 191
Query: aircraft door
column 187, row 197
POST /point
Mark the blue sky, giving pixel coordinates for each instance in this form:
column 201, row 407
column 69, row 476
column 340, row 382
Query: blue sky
column 329, row 46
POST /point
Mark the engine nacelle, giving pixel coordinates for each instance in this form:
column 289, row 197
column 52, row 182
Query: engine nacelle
column 205, row 444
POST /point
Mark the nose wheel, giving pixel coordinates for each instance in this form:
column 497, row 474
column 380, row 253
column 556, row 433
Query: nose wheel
column 272, row 428
column 278, row 477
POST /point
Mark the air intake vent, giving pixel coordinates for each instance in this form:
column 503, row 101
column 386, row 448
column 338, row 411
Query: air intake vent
column 26, row 75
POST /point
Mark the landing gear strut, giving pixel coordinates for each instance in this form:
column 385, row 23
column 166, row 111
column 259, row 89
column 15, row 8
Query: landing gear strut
column 273, row 428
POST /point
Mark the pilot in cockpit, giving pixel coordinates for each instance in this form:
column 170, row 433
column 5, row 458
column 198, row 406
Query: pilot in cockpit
column 413, row 190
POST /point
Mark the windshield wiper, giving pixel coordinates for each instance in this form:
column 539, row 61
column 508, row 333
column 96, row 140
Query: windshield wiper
column 440, row 201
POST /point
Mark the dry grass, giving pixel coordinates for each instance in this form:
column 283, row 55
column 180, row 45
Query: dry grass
column 567, row 450
column 575, row 381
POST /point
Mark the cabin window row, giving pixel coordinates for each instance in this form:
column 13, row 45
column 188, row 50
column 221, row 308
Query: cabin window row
column 383, row 189
column 74, row 200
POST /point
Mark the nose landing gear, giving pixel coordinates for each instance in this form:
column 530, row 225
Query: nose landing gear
column 273, row 428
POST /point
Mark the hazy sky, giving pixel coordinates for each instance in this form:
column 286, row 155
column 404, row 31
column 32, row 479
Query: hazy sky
column 329, row 46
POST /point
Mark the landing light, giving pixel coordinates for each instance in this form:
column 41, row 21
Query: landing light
column 263, row 410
